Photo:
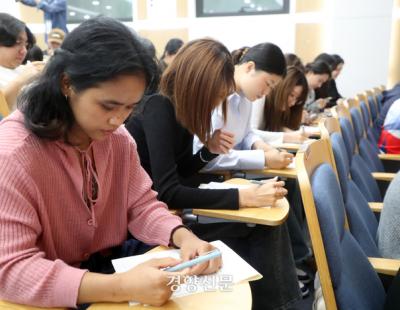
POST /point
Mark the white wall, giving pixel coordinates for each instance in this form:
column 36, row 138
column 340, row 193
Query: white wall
column 361, row 35
column 10, row 7
column 246, row 30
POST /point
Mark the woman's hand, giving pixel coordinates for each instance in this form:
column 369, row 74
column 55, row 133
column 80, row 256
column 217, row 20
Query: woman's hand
column 262, row 195
column 147, row 283
column 278, row 159
column 321, row 103
column 220, row 142
column 191, row 246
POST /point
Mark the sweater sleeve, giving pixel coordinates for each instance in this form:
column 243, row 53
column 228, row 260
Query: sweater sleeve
column 148, row 219
column 26, row 276
column 162, row 132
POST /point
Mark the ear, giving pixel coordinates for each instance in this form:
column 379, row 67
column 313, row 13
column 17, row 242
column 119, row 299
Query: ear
column 65, row 85
column 249, row 66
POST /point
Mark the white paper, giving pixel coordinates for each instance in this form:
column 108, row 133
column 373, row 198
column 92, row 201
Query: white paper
column 233, row 266
column 223, row 185
column 312, row 130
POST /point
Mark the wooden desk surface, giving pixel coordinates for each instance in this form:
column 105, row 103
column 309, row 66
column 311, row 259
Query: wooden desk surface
column 288, row 146
column 238, row 298
column 290, row 173
column 273, row 216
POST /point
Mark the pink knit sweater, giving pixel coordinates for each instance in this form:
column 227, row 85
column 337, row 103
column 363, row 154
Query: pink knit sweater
column 46, row 228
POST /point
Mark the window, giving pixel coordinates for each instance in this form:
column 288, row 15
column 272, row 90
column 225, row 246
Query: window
column 209, row 8
column 80, row 10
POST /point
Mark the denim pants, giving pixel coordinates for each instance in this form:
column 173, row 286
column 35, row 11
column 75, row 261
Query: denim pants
column 268, row 250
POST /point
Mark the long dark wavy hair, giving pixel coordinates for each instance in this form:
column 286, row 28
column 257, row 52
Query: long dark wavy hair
column 97, row 51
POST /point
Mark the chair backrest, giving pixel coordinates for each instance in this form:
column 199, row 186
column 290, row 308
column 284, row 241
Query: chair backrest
column 367, row 148
column 369, row 152
column 358, row 124
column 366, row 114
column 378, row 95
column 342, row 113
column 373, row 99
column 4, row 110
column 348, row 280
column 327, row 127
column 362, row 222
column 362, row 176
column 368, row 99
column 348, row 136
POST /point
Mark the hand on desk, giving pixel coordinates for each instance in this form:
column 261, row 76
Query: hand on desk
column 193, row 248
column 278, row 159
column 147, row 283
column 262, row 195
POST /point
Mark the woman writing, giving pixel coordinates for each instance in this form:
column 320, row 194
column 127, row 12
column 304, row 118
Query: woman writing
column 72, row 186
column 196, row 82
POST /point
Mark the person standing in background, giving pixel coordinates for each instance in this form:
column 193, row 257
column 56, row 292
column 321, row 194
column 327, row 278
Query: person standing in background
column 54, row 39
column 55, row 12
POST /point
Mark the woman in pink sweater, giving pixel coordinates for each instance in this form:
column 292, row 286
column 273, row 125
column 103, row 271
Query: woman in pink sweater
column 71, row 184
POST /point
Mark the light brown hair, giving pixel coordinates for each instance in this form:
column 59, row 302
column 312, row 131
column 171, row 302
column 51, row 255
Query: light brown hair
column 274, row 116
column 198, row 78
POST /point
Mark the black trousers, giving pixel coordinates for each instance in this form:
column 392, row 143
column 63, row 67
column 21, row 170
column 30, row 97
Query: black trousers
column 267, row 249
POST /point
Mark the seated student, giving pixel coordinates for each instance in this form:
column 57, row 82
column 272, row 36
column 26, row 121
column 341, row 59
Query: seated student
column 294, row 60
column 317, row 73
column 329, row 88
column 171, row 48
column 71, row 182
column 389, row 97
column 34, row 54
column 389, row 141
column 54, row 40
column 15, row 41
column 281, row 118
column 196, row 82
column 257, row 71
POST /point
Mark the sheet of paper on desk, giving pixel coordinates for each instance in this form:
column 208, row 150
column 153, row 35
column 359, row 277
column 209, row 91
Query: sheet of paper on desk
column 291, row 165
column 223, row 185
column 312, row 130
column 234, row 268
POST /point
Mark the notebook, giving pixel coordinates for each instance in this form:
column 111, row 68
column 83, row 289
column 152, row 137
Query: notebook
column 234, row 270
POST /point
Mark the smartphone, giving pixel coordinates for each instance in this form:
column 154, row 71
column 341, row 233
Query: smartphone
column 195, row 261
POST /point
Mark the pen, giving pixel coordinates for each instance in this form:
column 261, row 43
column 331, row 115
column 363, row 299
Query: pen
column 257, row 182
column 276, row 179
column 302, row 129
column 195, row 261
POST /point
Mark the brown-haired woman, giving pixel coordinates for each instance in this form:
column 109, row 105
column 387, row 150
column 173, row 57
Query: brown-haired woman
column 196, row 82
column 283, row 109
